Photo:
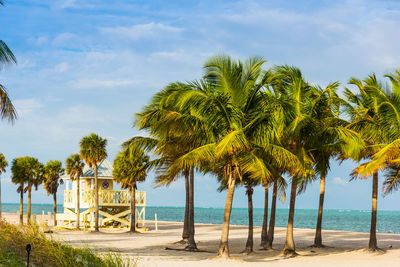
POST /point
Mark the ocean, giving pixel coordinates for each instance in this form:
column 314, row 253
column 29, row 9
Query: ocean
column 345, row 220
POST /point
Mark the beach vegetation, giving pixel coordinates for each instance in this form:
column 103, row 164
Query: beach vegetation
column 47, row 252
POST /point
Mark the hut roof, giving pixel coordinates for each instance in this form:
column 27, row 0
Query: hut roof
column 104, row 171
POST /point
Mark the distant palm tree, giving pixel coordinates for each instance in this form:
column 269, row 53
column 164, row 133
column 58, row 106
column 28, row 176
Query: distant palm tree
column 75, row 169
column 93, row 152
column 35, row 178
column 30, row 171
column 3, row 165
column 18, row 177
column 129, row 168
column 7, row 110
column 52, row 172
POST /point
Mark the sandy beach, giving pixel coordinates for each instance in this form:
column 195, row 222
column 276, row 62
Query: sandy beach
column 344, row 248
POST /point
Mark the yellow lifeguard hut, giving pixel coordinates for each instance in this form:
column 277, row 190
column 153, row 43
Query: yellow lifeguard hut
column 114, row 205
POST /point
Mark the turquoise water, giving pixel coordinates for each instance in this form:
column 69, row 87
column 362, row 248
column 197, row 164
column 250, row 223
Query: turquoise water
column 346, row 220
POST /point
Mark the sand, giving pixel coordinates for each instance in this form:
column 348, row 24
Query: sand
column 344, row 248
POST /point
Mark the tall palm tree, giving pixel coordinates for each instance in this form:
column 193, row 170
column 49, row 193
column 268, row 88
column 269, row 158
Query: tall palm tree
column 3, row 165
column 74, row 168
column 7, row 110
column 93, row 152
column 130, row 167
column 52, row 172
column 366, row 118
column 298, row 131
column 175, row 131
column 333, row 138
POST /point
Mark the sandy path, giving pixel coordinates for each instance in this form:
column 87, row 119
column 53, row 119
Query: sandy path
column 346, row 248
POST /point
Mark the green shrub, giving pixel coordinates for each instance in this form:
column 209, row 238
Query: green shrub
column 46, row 252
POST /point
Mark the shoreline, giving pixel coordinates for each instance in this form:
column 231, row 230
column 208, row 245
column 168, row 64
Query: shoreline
column 38, row 216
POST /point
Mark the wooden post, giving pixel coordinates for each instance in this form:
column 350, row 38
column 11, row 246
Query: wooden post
column 48, row 217
column 155, row 219
column 84, row 222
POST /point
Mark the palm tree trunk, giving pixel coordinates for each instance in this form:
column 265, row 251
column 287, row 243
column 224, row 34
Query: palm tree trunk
column 133, row 209
column 96, row 200
column 318, row 231
column 290, row 249
column 29, row 203
column 21, row 205
column 78, row 202
column 223, row 250
column 192, row 242
column 249, row 243
column 271, row 228
column 55, row 208
column 264, row 230
column 372, row 237
column 185, row 233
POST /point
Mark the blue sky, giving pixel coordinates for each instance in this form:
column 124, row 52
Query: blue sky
column 88, row 66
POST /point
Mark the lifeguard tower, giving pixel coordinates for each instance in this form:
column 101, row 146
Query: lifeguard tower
column 114, row 205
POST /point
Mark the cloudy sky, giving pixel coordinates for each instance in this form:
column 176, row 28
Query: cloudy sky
column 87, row 66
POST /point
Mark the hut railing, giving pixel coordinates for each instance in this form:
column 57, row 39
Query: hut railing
column 106, row 197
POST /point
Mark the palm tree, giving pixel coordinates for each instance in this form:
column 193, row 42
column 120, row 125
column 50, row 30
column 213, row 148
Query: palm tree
column 333, row 138
column 3, row 165
column 35, row 178
column 93, row 152
column 26, row 170
column 175, row 131
column 7, row 110
column 298, row 129
column 129, row 168
column 52, row 172
column 74, row 168
column 366, row 118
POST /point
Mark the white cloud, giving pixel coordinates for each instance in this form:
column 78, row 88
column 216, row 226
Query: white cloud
column 62, row 67
column 142, row 31
column 93, row 83
column 339, row 181
column 26, row 64
column 26, row 107
column 67, row 39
